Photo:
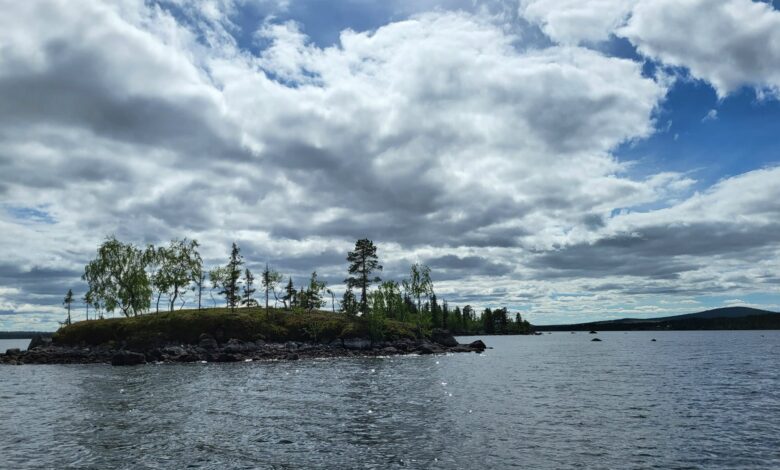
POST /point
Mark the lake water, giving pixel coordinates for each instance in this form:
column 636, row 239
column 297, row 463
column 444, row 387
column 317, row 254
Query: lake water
column 6, row 344
column 688, row 400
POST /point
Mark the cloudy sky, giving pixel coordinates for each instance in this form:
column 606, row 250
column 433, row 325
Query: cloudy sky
column 569, row 159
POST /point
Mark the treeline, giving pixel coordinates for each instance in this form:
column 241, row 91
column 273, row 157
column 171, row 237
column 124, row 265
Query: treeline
column 135, row 280
column 768, row 321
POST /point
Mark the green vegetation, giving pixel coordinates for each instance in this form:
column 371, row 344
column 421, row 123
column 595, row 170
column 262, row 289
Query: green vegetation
column 132, row 280
column 248, row 324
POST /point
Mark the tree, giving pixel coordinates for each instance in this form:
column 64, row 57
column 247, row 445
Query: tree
column 118, row 278
column 178, row 262
column 153, row 258
column 87, row 302
column 217, row 278
column 231, row 280
column 247, row 295
column 270, row 279
column 487, row 322
column 289, row 295
column 332, row 299
column 67, row 302
column 314, row 298
column 349, row 303
column 363, row 261
column 198, row 276
column 418, row 285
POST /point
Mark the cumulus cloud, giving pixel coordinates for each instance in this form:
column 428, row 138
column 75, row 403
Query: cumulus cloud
column 729, row 44
column 441, row 135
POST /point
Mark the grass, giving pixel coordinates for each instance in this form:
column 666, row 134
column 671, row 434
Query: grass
column 248, row 324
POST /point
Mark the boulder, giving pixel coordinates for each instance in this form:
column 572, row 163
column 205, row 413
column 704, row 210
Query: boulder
column 127, row 358
column 425, row 348
column 592, row 332
column 443, row 337
column 356, row 344
column 39, row 341
column 206, row 341
column 595, row 339
column 477, row 345
column 237, row 346
column 13, row 352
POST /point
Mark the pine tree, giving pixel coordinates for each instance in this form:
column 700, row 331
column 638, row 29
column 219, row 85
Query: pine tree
column 247, row 297
column 67, row 302
column 230, row 285
column 270, row 279
column 290, row 295
column 349, row 304
column 363, row 261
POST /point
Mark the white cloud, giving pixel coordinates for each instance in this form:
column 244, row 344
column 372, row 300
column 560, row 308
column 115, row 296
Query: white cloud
column 436, row 135
column 576, row 21
column 730, row 43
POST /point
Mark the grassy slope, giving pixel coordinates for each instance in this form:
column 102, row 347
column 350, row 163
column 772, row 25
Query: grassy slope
column 186, row 326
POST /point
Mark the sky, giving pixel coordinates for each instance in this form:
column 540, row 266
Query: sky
column 572, row 160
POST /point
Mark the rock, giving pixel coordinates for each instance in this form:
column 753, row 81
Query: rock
column 127, row 358
column 443, row 337
column 593, row 332
column 39, row 341
column 291, row 345
column 235, row 346
column 225, row 357
column 356, row 344
column 652, row 339
column 291, row 357
column 13, row 352
column 389, row 351
column 477, row 345
column 595, row 339
column 206, row 341
column 425, row 348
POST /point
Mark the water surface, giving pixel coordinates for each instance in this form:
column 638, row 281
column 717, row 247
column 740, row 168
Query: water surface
column 688, row 400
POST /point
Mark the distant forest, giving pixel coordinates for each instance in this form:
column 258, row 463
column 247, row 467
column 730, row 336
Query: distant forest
column 768, row 321
column 134, row 280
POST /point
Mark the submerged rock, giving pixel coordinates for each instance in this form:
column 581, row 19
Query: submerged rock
column 127, row 358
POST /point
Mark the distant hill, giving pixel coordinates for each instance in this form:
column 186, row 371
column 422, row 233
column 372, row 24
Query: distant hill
column 726, row 318
column 22, row 334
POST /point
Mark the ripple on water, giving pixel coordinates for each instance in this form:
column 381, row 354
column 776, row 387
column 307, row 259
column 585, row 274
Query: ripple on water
column 691, row 399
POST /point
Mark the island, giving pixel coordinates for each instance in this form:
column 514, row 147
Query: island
column 222, row 335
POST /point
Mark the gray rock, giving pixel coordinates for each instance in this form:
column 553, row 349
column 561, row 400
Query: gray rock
column 39, row 341
column 13, row 352
column 206, row 341
column 443, row 337
column 425, row 348
column 477, row 345
column 235, row 346
column 127, row 358
column 356, row 344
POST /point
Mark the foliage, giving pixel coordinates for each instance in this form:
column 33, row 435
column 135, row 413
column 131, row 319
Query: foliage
column 117, row 278
column 247, row 295
column 270, row 280
column 68, row 301
column 363, row 261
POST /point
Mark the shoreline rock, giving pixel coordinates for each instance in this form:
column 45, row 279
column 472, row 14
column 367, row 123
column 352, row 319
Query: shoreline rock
column 210, row 349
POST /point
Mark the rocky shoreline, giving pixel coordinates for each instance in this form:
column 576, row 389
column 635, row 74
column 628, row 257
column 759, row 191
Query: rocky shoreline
column 43, row 351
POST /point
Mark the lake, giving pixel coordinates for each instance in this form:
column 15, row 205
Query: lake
column 6, row 344
column 688, row 400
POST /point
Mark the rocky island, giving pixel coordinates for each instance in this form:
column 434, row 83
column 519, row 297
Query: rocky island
column 219, row 335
